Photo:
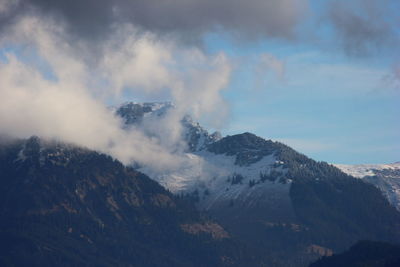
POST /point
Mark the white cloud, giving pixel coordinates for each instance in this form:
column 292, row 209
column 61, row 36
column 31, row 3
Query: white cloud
column 69, row 107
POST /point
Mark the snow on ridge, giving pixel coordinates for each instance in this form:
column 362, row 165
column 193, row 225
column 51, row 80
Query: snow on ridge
column 210, row 176
column 220, row 189
column 362, row 170
column 181, row 179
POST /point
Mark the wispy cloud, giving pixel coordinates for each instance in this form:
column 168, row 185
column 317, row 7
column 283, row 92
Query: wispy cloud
column 365, row 26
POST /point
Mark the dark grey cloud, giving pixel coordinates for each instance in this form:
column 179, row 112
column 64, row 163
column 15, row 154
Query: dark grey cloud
column 186, row 18
column 361, row 27
column 364, row 26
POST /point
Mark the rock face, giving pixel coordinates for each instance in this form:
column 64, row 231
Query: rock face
column 134, row 113
column 386, row 177
column 196, row 136
column 61, row 205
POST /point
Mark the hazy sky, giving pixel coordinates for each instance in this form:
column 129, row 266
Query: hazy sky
column 320, row 76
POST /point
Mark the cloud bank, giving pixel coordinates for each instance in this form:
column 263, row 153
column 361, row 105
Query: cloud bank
column 361, row 26
column 54, row 93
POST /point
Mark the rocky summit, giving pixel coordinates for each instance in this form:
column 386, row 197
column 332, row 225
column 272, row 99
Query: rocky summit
column 195, row 136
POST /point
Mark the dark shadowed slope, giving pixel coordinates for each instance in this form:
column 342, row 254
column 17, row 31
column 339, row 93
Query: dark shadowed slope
column 66, row 206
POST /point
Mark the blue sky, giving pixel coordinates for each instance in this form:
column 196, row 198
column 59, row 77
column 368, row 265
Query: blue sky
column 328, row 105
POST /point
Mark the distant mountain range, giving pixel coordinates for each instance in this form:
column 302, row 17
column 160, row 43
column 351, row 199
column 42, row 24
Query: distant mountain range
column 241, row 200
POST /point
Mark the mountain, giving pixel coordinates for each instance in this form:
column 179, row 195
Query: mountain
column 287, row 207
column 62, row 205
column 386, row 177
column 364, row 254
column 239, row 200
column 288, row 204
column 196, row 137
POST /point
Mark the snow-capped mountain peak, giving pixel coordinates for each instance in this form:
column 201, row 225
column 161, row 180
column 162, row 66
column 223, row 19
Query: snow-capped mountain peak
column 196, row 137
